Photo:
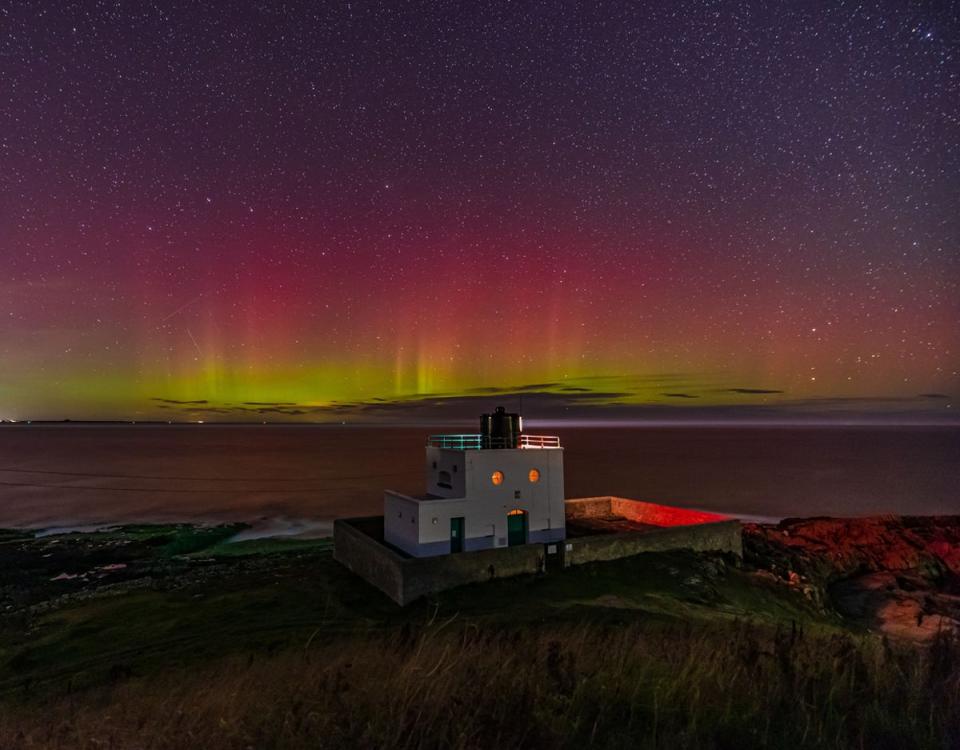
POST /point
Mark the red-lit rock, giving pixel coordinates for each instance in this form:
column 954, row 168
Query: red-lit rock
column 897, row 574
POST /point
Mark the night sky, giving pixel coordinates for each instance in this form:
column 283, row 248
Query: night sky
column 344, row 211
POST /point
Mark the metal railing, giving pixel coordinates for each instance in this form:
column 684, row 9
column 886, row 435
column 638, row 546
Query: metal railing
column 475, row 442
column 457, row 442
column 539, row 441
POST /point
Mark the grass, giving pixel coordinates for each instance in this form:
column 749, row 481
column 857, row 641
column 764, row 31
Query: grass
column 265, row 546
column 174, row 540
column 261, row 610
column 271, row 644
column 13, row 535
column 197, row 539
column 456, row 685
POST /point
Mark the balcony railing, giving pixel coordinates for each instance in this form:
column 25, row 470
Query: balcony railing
column 539, row 441
column 475, row 442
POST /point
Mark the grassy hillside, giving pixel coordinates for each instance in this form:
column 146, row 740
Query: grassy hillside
column 168, row 642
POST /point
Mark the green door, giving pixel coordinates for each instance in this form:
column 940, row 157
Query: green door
column 517, row 528
column 456, row 534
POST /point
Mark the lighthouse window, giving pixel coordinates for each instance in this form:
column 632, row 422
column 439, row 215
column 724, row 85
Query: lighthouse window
column 534, row 475
column 497, row 477
column 443, row 480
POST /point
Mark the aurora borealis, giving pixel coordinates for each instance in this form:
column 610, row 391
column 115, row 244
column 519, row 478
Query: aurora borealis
column 356, row 210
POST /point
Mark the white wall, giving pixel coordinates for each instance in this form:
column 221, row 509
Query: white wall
column 442, row 511
column 401, row 521
column 453, row 463
column 542, row 500
column 482, row 504
column 488, row 505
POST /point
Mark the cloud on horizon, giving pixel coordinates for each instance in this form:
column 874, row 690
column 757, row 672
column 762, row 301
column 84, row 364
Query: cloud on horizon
column 587, row 401
column 176, row 402
column 751, row 391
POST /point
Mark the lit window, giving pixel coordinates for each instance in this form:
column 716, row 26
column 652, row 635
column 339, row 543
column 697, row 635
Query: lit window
column 497, row 477
column 534, row 475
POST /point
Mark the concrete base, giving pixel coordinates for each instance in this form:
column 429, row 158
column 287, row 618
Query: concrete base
column 358, row 544
column 648, row 527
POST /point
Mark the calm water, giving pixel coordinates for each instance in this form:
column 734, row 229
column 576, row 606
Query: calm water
column 304, row 476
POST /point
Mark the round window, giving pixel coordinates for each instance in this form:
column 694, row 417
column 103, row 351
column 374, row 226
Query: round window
column 497, row 477
column 534, row 475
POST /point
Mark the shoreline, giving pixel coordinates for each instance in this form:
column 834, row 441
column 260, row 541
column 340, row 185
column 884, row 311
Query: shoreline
column 881, row 573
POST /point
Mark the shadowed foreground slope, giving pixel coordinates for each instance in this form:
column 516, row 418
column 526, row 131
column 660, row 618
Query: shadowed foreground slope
column 168, row 638
column 623, row 684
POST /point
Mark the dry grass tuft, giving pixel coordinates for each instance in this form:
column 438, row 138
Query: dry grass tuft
column 455, row 686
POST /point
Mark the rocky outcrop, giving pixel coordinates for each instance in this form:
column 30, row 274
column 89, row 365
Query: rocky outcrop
column 899, row 575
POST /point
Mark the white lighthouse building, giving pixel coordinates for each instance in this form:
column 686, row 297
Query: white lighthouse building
column 497, row 488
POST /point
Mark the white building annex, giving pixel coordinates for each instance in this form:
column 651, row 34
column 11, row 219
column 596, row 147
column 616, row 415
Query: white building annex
column 497, row 488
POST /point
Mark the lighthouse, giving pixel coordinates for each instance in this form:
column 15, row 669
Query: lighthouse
column 494, row 507
column 496, row 488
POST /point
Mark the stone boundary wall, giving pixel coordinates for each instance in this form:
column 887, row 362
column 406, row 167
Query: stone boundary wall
column 588, row 507
column 358, row 544
column 681, row 529
column 640, row 511
column 427, row 575
column 720, row 536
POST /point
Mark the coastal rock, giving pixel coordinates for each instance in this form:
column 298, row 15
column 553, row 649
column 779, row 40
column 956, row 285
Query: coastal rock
column 899, row 575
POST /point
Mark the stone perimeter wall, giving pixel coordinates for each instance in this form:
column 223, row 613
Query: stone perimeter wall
column 358, row 545
column 720, row 536
column 427, row 575
column 638, row 510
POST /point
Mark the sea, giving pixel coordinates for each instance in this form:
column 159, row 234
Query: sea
column 295, row 479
